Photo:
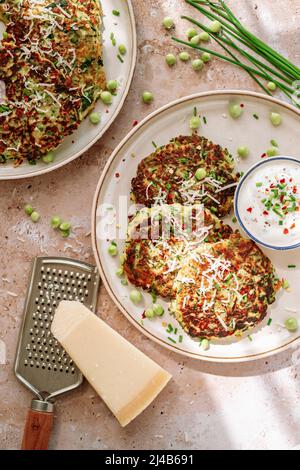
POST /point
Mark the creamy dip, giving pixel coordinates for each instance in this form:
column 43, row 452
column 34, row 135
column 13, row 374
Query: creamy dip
column 268, row 202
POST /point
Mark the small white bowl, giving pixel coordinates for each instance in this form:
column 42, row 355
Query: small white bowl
column 237, row 198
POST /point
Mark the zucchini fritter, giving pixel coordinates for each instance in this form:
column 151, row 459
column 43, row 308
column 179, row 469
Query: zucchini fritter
column 167, row 176
column 224, row 288
column 51, row 64
column 160, row 238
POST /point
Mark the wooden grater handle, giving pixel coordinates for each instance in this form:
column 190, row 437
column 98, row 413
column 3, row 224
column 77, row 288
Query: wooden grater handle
column 38, row 426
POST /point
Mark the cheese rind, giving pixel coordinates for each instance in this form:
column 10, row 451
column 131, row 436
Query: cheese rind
column 126, row 379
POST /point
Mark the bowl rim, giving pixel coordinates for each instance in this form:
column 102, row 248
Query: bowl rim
column 236, row 198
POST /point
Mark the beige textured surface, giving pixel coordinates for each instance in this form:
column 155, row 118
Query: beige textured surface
column 206, row 406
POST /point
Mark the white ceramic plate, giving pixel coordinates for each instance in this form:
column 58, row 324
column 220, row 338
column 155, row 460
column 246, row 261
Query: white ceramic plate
column 159, row 127
column 87, row 134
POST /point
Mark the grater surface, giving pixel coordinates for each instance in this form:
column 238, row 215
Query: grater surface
column 41, row 363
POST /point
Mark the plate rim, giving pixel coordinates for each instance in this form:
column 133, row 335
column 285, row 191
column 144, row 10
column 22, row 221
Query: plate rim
column 58, row 165
column 173, row 348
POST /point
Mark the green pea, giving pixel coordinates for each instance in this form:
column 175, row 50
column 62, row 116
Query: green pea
column 65, row 226
column 158, row 310
column 35, row 216
column 149, row 313
column 235, row 110
column 272, row 152
column 197, row 64
column 200, row 174
column 113, row 250
column 112, row 85
column 168, row 22
column 95, row 117
column 5, row 35
column 184, row 56
column 291, row 324
column 191, row 32
column 206, row 56
column 55, row 221
column 135, row 296
column 215, row 26
column 195, row 40
column 171, row 59
column 65, row 233
column 205, row 344
column 106, row 97
column 271, row 86
column 147, row 97
column 28, row 209
column 195, row 122
column 204, row 36
column 120, row 272
column 275, row 119
column 48, row 158
column 243, row 151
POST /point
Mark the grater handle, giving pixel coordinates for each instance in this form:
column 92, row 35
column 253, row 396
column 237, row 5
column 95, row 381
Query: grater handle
column 38, row 426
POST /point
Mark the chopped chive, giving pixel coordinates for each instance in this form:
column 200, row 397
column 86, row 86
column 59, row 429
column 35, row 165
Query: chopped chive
column 250, row 338
column 234, row 220
column 280, row 222
column 180, row 338
column 175, row 331
column 171, row 339
column 170, row 327
column 120, row 58
column 195, row 111
column 255, row 116
column 204, row 120
column 113, row 39
column 154, row 144
column 291, row 265
column 269, row 321
column 116, row 12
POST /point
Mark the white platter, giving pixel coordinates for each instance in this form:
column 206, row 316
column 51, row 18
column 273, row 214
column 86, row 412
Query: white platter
column 159, row 127
column 87, row 134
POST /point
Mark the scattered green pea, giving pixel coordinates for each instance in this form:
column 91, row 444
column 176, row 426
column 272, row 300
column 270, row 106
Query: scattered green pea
column 35, row 216
column 106, row 97
column 195, row 122
column 113, row 250
column 205, row 57
column 122, row 49
column 271, row 86
column 204, row 36
column 171, row 59
column 272, row 152
column 197, row 64
column 184, row 56
column 55, row 221
column 120, row 272
column 195, row 40
column 65, row 233
column 112, row 85
column 116, row 12
column 135, row 296
column 200, row 174
column 28, row 209
column 235, row 110
column 147, row 97
column 168, row 22
column 191, row 32
column 291, row 324
column 215, row 26
column 275, row 119
column 64, row 226
column 149, row 313
column 243, row 151
column 158, row 310
column 95, row 118
column 48, row 158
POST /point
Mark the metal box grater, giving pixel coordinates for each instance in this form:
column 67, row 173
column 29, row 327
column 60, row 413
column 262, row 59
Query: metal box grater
column 41, row 363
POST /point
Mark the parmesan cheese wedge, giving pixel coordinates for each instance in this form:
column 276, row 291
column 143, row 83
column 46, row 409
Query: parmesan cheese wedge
column 126, row 379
